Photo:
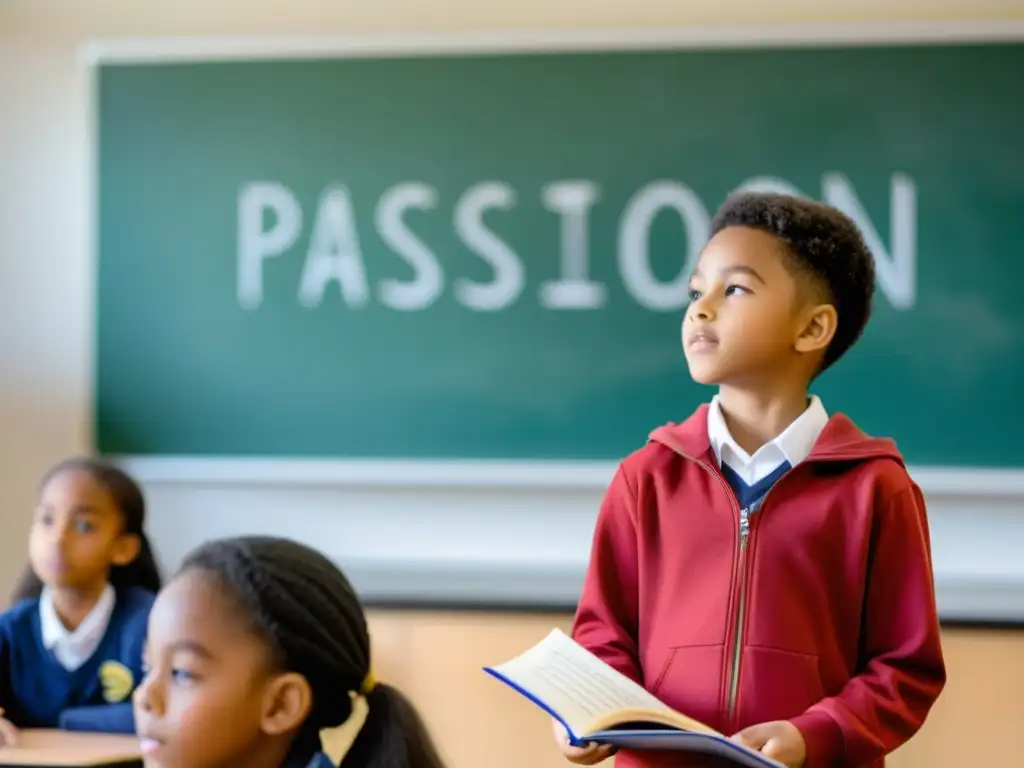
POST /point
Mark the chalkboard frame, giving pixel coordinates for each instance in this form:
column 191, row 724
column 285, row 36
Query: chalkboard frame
column 510, row 473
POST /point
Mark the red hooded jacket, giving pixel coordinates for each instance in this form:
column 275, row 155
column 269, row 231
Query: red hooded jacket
column 825, row 616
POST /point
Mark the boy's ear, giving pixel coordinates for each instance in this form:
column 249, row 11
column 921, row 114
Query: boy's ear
column 818, row 328
column 286, row 704
column 126, row 548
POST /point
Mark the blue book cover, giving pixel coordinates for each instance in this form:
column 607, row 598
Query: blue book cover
column 595, row 703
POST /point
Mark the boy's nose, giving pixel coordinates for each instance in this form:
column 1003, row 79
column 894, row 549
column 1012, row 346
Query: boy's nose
column 702, row 310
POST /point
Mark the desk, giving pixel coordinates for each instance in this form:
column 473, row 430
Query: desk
column 62, row 749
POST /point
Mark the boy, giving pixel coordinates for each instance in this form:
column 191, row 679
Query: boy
column 763, row 567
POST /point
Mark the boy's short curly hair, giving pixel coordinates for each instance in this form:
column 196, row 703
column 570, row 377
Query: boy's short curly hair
column 824, row 244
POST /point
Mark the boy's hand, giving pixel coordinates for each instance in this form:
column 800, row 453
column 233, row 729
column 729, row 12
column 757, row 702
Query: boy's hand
column 781, row 741
column 8, row 733
column 588, row 755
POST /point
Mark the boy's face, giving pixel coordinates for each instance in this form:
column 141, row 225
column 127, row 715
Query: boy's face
column 747, row 314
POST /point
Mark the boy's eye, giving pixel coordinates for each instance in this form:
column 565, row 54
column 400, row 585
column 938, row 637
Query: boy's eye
column 84, row 526
column 694, row 294
column 732, row 289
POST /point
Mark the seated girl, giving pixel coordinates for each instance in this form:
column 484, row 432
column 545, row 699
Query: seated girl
column 255, row 647
column 71, row 644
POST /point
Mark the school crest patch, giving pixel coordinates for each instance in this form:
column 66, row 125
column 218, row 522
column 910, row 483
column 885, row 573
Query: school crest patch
column 117, row 681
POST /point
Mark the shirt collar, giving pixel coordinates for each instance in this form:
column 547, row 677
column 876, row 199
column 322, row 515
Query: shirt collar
column 793, row 445
column 95, row 624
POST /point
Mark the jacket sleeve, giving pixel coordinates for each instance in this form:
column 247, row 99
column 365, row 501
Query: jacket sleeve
column 105, row 718
column 607, row 613
column 901, row 670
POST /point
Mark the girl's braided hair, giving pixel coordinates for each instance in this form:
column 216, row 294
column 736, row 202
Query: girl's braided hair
column 303, row 607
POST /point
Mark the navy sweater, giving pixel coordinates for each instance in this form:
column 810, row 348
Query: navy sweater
column 37, row 692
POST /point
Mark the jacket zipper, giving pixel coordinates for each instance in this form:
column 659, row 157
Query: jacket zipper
column 737, row 645
column 741, row 602
column 744, row 536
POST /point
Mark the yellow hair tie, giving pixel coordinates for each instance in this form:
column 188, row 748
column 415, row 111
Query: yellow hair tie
column 369, row 683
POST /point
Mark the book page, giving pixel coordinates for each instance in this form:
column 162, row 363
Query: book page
column 574, row 683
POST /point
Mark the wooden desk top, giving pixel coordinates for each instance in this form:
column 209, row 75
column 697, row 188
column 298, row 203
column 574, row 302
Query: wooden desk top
column 59, row 749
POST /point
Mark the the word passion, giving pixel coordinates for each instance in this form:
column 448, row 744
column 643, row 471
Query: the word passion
column 270, row 222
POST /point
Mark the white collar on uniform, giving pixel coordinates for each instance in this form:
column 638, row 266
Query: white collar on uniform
column 73, row 649
column 793, row 445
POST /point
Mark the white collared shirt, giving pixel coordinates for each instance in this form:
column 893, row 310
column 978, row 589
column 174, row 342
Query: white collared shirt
column 793, row 445
column 73, row 649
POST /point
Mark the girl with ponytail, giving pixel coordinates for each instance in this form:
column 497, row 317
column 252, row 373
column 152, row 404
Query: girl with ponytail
column 256, row 646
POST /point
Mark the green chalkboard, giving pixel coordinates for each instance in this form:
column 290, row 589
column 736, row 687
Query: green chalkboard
column 472, row 256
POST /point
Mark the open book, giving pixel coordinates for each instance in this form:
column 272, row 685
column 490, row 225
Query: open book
column 596, row 703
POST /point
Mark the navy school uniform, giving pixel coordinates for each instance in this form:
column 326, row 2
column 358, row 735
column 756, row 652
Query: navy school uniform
column 36, row 691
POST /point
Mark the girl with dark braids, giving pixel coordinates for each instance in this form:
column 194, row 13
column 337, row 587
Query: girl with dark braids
column 256, row 646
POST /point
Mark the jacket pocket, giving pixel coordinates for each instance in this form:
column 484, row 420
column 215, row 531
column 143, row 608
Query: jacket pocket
column 690, row 681
column 776, row 685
